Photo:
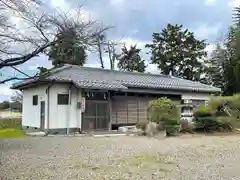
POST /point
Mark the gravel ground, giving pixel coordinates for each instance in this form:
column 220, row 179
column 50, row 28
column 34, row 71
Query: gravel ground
column 200, row 158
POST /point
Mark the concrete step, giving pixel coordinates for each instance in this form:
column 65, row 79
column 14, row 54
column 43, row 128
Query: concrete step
column 36, row 134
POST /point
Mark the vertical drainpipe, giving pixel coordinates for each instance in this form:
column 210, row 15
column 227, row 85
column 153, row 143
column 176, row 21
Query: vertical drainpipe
column 48, row 104
column 69, row 106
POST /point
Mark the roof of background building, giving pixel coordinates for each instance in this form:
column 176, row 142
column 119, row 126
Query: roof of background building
column 98, row 78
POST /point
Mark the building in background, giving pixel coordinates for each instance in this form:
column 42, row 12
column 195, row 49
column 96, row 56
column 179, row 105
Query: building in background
column 73, row 98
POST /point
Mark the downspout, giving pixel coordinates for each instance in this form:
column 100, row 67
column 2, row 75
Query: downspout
column 48, row 104
column 79, row 113
column 69, row 106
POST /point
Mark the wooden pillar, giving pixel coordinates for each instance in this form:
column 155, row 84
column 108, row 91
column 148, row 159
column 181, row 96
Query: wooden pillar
column 115, row 107
column 110, row 111
column 137, row 107
column 127, row 105
column 147, row 107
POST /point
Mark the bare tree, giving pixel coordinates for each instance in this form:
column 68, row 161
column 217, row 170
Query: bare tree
column 100, row 39
column 112, row 55
column 16, row 101
column 39, row 30
column 17, row 97
column 110, row 47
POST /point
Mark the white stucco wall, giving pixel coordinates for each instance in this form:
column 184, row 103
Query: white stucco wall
column 60, row 116
column 63, row 116
column 196, row 96
column 57, row 113
column 31, row 113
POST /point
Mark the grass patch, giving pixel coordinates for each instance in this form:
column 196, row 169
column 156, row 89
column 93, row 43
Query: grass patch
column 11, row 133
column 148, row 160
column 139, row 166
column 6, row 123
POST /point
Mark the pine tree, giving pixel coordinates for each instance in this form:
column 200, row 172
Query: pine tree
column 215, row 68
column 177, row 51
column 130, row 59
column 68, row 50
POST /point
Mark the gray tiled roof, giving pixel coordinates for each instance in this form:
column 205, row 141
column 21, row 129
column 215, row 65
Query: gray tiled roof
column 108, row 79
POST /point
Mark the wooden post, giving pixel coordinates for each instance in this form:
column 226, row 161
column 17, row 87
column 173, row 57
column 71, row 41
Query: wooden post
column 137, row 107
column 96, row 116
column 127, row 105
column 110, row 111
column 147, row 107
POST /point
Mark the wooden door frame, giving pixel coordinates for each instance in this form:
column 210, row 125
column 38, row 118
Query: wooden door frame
column 42, row 118
column 84, row 118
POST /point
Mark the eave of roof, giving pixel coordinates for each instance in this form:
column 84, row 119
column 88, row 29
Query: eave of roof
column 114, row 84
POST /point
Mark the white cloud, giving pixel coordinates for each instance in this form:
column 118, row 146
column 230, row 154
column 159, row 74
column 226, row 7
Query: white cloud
column 234, row 3
column 40, row 61
column 210, row 2
column 58, row 3
column 116, row 2
column 77, row 12
column 152, row 68
column 5, row 90
column 129, row 41
column 204, row 31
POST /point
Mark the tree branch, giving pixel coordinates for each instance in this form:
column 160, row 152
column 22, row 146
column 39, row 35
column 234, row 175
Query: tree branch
column 12, row 78
column 22, row 59
column 42, row 31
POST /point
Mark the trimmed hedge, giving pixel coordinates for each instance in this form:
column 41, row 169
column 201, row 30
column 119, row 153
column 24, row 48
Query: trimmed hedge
column 202, row 111
column 207, row 123
column 162, row 110
column 210, row 124
column 171, row 126
column 233, row 121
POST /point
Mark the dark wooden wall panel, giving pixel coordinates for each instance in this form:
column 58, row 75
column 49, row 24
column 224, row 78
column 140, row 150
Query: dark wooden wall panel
column 131, row 109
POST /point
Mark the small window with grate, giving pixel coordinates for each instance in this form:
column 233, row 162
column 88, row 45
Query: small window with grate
column 35, row 100
column 62, row 99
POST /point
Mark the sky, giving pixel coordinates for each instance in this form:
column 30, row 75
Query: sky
column 134, row 22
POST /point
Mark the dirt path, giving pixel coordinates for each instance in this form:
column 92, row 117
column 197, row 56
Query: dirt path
column 200, row 158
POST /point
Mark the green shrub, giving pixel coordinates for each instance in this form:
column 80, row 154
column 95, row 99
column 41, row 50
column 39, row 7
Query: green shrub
column 207, row 123
column 162, row 110
column 165, row 113
column 225, row 127
column 217, row 102
column 202, row 111
column 210, row 123
column 220, row 113
column 172, row 126
column 228, row 122
column 226, row 119
column 234, row 102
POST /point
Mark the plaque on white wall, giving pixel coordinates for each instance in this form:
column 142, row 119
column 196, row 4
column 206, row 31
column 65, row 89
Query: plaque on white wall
column 83, row 104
